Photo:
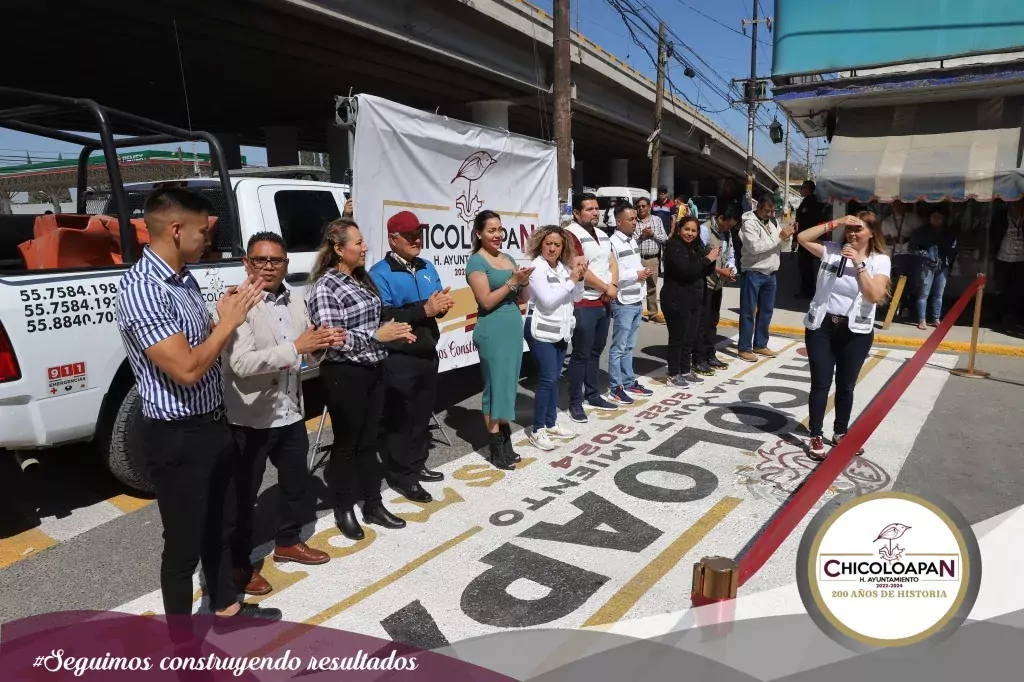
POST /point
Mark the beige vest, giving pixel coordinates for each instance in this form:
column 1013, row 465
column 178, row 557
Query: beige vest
column 714, row 279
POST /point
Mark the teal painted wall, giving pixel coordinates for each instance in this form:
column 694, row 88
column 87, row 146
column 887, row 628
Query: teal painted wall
column 820, row 36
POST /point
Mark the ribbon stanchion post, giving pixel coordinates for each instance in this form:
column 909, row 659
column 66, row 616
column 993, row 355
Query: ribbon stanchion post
column 971, row 372
column 713, row 594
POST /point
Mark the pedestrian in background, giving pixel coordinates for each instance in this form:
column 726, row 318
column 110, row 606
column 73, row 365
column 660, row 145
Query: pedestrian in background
column 555, row 284
column 935, row 248
column 651, row 238
column 263, row 402
column 715, row 233
column 342, row 295
column 839, row 325
column 410, row 292
column 174, row 350
column 665, row 208
column 593, row 311
column 897, row 228
column 763, row 241
column 811, row 212
column 499, row 284
column 626, row 310
column 1008, row 244
column 687, row 264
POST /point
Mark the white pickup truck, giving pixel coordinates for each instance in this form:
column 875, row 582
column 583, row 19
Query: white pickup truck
column 64, row 377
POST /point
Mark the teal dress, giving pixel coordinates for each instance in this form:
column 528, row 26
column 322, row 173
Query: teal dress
column 498, row 336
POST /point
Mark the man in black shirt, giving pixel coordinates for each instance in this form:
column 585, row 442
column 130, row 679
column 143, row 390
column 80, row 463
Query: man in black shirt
column 808, row 214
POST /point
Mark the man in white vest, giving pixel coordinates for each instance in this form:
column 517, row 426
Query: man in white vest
column 762, row 241
column 626, row 309
column 593, row 312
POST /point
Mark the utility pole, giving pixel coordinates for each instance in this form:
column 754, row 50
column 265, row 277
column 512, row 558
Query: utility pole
column 752, row 108
column 785, row 192
column 563, row 99
column 659, row 105
column 808, row 159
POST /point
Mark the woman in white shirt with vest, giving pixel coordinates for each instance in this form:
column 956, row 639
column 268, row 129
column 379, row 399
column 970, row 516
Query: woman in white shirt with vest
column 853, row 278
column 555, row 285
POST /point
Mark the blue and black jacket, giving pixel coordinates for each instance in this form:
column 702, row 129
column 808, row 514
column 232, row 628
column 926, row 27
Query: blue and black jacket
column 403, row 296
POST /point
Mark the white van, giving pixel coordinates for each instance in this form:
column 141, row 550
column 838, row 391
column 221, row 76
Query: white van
column 608, row 197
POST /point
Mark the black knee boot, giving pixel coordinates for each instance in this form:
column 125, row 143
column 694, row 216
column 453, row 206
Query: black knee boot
column 506, row 433
column 498, row 456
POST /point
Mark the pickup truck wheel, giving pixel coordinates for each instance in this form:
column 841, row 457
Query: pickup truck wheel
column 123, row 451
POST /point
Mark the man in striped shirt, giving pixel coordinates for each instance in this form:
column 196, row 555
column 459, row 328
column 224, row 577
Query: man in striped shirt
column 174, row 350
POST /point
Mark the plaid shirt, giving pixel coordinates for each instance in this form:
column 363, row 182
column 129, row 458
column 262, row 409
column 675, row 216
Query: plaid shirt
column 650, row 247
column 340, row 301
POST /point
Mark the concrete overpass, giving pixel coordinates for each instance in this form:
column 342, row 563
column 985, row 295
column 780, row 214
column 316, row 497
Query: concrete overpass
column 265, row 73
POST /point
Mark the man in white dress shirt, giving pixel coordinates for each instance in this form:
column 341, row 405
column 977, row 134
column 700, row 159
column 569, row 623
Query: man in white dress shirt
column 263, row 402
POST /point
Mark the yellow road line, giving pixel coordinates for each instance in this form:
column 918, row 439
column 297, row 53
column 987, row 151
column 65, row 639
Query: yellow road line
column 905, row 341
column 864, row 371
column 629, row 594
column 128, row 504
column 368, row 591
column 23, row 545
column 390, row 578
column 314, row 423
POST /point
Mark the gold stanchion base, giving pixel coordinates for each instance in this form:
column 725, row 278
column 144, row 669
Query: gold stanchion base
column 969, row 374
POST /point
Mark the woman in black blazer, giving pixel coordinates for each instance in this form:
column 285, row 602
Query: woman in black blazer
column 687, row 263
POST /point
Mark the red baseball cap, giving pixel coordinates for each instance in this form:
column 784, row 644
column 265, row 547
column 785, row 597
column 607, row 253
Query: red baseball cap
column 404, row 222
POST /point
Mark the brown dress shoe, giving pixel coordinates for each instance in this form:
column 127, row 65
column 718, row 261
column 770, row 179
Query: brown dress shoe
column 301, row 553
column 747, row 355
column 257, row 585
column 766, row 352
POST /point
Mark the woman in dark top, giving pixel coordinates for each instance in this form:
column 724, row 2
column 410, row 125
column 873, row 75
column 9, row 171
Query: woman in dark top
column 686, row 264
column 343, row 296
column 935, row 248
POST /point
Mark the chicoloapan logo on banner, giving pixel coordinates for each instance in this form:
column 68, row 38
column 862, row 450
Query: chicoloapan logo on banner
column 888, row 569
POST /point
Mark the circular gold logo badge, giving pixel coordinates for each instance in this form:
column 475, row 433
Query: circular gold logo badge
column 888, row 570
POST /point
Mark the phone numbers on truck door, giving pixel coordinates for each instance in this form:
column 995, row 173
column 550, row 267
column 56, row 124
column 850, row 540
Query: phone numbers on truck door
column 68, row 306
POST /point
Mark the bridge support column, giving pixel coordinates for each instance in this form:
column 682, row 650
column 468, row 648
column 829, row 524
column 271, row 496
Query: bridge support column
column 338, row 143
column 232, row 149
column 620, row 173
column 282, row 145
column 491, row 113
column 667, row 173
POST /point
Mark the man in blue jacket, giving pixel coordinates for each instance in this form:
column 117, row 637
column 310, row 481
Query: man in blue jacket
column 410, row 291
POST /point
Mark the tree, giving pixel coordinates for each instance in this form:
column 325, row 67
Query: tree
column 797, row 171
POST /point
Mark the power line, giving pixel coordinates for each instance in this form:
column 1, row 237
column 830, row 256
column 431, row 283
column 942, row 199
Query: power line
column 725, row 26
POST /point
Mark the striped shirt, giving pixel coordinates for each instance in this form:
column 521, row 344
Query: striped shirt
column 155, row 303
column 650, row 247
column 338, row 300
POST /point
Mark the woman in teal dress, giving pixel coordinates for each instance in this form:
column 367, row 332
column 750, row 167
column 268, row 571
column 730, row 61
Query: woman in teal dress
column 498, row 285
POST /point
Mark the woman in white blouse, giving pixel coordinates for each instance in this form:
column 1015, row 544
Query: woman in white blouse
column 556, row 283
column 853, row 279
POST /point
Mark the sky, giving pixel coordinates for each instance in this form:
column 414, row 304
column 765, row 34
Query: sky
column 711, row 29
column 708, row 28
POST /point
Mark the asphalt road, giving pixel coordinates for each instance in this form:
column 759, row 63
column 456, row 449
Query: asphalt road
column 966, row 451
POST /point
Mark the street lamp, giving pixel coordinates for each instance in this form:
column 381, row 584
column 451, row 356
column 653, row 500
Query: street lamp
column 775, row 130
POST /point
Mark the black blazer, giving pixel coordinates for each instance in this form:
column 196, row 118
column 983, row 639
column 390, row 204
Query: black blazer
column 686, row 266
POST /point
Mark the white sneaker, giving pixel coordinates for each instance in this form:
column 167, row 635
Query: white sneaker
column 559, row 431
column 540, row 440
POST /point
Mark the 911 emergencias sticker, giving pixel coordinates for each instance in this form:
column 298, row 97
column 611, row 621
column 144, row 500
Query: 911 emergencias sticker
column 66, row 379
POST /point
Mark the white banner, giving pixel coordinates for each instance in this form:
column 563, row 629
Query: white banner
column 446, row 171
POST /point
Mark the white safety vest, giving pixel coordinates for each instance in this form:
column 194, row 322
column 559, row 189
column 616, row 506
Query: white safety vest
column 597, row 250
column 627, row 254
column 861, row 315
column 551, row 324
